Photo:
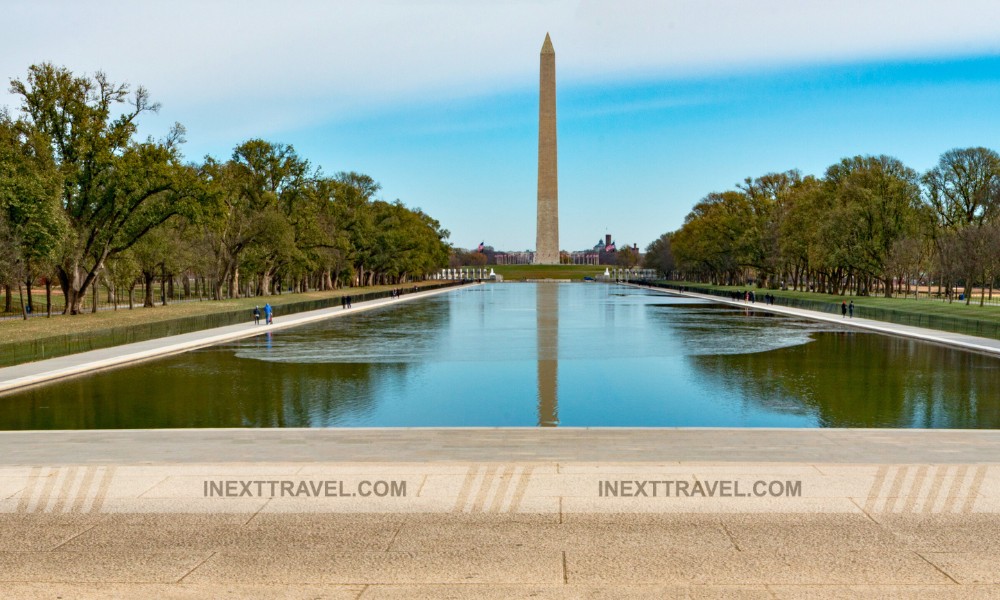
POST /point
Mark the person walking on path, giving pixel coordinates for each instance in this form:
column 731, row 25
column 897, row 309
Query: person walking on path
column 256, row 315
column 843, row 309
column 348, row 302
column 267, row 313
column 850, row 309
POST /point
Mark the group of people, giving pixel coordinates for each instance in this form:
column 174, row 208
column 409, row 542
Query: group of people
column 750, row 296
column 345, row 302
column 847, row 309
column 268, row 314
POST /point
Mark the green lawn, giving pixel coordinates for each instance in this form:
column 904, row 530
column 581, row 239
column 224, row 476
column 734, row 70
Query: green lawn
column 923, row 306
column 522, row 272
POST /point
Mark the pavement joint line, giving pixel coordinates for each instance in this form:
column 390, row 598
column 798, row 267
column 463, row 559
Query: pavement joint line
column 153, row 486
column 388, row 546
column 72, row 537
column 946, row 338
column 729, row 534
column 936, row 567
column 43, row 372
column 197, row 566
column 866, row 513
column 257, row 512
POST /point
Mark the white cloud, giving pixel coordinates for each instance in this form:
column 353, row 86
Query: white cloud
column 229, row 68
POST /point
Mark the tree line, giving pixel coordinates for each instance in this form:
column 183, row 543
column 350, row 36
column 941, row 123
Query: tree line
column 84, row 202
column 870, row 225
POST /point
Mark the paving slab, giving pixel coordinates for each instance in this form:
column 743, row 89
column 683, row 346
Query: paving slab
column 97, row 566
column 482, row 566
column 594, row 448
column 734, row 567
column 183, row 591
column 562, row 592
column 886, row 592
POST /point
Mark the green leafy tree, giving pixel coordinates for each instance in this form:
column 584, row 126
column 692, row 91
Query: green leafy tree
column 876, row 203
column 626, row 258
column 963, row 191
column 659, row 255
column 33, row 225
column 114, row 189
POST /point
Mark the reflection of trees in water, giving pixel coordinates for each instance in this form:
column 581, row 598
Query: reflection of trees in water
column 404, row 333
column 214, row 388
column 867, row 380
column 220, row 392
column 719, row 329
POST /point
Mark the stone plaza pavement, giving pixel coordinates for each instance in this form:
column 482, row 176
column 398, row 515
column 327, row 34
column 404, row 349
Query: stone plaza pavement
column 500, row 513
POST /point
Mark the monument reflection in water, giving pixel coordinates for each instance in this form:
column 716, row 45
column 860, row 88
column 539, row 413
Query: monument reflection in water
column 529, row 355
column 547, row 311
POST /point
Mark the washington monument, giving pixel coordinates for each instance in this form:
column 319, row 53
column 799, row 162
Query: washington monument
column 547, row 234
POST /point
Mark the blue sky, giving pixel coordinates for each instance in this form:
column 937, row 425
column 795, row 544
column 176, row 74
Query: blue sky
column 636, row 155
column 659, row 103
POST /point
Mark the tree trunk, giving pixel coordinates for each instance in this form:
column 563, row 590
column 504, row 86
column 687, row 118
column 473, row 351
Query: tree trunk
column 27, row 284
column 48, row 297
column 131, row 295
column 93, row 309
column 73, row 302
column 163, row 284
column 234, row 282
column 67, row 288
column 7, row 303
column 24, row 313
column 74, row 289
column 147, row 279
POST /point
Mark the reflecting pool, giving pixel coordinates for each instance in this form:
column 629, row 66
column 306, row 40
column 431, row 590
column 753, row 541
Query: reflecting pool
column 537, row 355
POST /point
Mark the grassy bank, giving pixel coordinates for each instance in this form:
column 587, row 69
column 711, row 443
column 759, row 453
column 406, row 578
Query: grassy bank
column 40, row 337
column 934, row 314
column 522, row 272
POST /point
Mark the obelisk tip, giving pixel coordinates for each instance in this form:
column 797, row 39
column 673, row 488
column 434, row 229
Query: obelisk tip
column 547, row 46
